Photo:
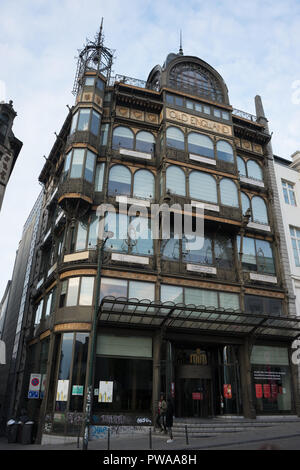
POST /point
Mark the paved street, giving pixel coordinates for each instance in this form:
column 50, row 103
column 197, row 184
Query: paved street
column 281, row 437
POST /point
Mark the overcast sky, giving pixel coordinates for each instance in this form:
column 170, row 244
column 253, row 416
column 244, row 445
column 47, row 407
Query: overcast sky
column 254, row 45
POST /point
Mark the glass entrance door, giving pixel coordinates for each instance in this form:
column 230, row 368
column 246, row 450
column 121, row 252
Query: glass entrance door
column 195, row 397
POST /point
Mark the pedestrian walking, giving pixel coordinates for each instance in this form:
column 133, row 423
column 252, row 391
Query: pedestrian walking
column 161, row 414
column 169, row 418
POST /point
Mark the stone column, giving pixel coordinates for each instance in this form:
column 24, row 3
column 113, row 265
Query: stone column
column 157, row 341
column 246, row 379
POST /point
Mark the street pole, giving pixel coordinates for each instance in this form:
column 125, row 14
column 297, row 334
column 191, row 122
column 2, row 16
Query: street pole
column 89, row 397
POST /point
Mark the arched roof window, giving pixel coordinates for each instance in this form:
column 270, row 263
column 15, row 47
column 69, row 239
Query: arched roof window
column 192, row 77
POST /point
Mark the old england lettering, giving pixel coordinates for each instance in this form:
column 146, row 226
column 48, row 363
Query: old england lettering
column 199, row 122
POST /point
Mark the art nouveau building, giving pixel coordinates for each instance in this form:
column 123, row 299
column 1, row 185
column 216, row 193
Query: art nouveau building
column 211, row 327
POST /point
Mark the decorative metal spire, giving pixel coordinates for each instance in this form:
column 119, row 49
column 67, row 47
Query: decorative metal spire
column 180, row 48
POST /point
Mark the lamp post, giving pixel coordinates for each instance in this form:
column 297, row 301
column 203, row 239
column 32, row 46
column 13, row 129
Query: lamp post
column 89, row 398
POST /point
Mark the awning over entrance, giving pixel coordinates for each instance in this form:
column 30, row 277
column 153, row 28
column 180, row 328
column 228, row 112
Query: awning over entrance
column 147, row 314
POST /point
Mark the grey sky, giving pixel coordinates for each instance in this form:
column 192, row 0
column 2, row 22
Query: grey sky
column 253, row 45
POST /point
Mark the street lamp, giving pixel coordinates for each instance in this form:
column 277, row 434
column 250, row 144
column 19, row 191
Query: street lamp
column 89, row 398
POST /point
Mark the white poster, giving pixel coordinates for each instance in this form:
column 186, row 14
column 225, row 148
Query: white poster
column 105, row 392
column 62, row 390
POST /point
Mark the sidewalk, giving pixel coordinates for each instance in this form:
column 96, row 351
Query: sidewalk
column 283, row 436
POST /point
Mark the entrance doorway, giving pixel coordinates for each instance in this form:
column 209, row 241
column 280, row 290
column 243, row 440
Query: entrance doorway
column 195, row 397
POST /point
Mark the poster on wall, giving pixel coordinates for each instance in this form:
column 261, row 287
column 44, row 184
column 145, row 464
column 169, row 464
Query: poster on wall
column 267, row 390
column 227, row 391
column 34, row 386
column 258, row 390
column 105, row 392
column 62, row 390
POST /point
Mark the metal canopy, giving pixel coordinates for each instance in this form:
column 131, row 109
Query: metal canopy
column 154, row 314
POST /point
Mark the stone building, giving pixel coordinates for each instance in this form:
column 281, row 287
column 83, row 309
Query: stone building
column 212, row 327
column 10, row 146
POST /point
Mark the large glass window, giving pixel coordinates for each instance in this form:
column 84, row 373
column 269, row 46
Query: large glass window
column 80, row 163
column 198, row 297
column 263, row 305
column 241, row 166
column 131, row 234
column 175, row 177
column 257, row 255
column 123, row 137
column 175, row 138
column 144, row 184
column 87, row 233
column 295, row 237
column 128, row 289
column 200, row 256
column 145, row 142
column 259, row 210
column 79, row 291
column 200, row 144
column 83, row 119
column 229, row 193
column 289, row 193
column 104, row 134
column 203, row 186
column 225, row 151
column 254, row 170
column 80, row 353
column 119, row 182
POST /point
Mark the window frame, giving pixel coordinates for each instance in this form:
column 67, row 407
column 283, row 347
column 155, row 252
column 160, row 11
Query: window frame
column 287, row 191
column 134, row 140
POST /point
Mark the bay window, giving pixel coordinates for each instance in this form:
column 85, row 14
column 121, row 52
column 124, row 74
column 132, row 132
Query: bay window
column 80, row 163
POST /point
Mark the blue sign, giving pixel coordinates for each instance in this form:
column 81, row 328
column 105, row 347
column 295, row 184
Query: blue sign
column 33, row 394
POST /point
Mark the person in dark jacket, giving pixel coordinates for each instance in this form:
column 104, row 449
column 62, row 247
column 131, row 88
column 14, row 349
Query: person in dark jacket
column 169, row 418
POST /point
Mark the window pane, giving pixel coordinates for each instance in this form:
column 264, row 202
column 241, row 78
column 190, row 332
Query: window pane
column 203, row 187
column 241, row 166
column 201, row 256
column 223, row 251
column 83, row 121
column 189, row 104
column 63, row 293
column 67, row 164
column 217, row 113
column 201, row 297
column 122, row 138
column 170, row 248
column 144, row 246
column 265, row 257
column 77, row 163
column 113, row 287
column 95, row 124
column 66, row 356
column 175, row 180
column 118, row 224
column 89, row 166
column 141, row 290
column 178, row 101
column 72, row 294
column 89, row 81
column 259, row 210
column 93, row 231
column 224, row 151
column 119, row 181
column 100, row 84
column 175, row 138
column 171, row 294
column 145, row 142
column 200, row 144
column 254, row 170
column 104, row 134
column 169, row 99
column 74, row 123
column 245, row 203
column 143, row 185
column 229, row 193
column 99, row 176
column 81, row 236
column 248, row 255
column 86, row 291
column 229, row 301
column 254, row 304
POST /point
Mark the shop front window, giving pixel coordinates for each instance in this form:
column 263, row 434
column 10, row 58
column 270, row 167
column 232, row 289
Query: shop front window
column 271, row 379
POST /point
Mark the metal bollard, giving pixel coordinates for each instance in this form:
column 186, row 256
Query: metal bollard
column 108, row 439
column 150, row 438
column 186, row 435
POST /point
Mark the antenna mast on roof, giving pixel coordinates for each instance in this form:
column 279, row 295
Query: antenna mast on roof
column 180, row 48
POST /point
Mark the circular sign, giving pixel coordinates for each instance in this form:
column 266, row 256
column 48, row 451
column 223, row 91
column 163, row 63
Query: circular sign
column 35, row 382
